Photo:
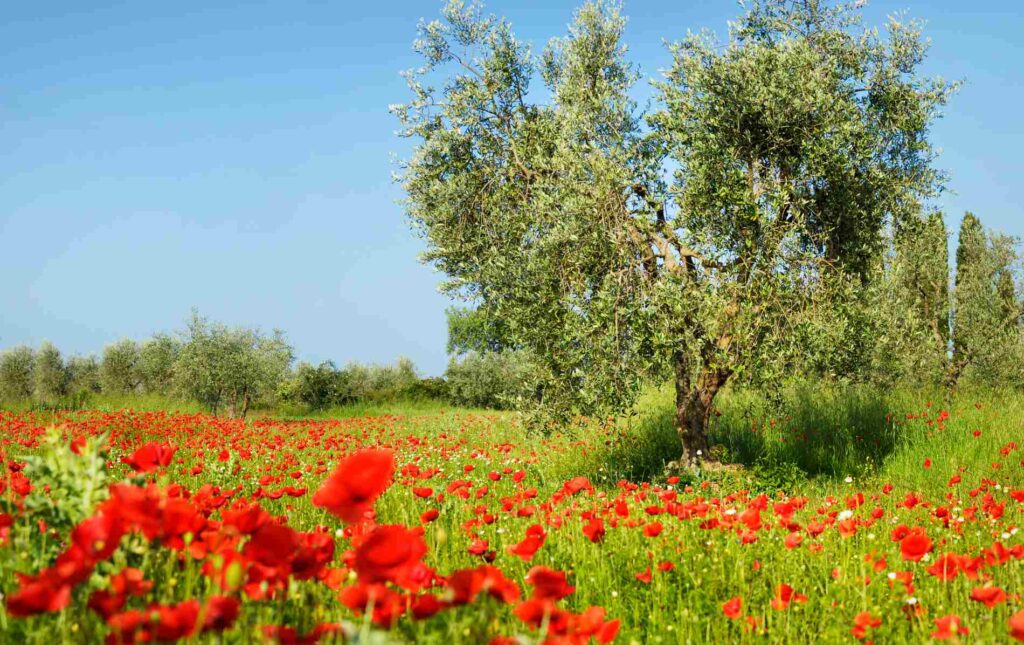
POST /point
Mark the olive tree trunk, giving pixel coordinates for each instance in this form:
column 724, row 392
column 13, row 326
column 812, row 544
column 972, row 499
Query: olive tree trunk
column 694, row 405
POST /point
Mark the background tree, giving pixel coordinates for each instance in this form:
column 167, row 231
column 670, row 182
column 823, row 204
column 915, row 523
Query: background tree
column 118, row 367
column 50, row 376
column 320, row 386
column 792, row 144
column 154, row 368
column 228, row 367
column 984, row 318
column 16, row 365
column 83, row 375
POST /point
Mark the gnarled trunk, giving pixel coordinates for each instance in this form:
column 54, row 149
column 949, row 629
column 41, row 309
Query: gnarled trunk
column 694, row 404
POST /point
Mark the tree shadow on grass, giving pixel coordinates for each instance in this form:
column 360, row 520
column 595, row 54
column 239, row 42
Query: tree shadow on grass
column 827, row 431
column 822, row 431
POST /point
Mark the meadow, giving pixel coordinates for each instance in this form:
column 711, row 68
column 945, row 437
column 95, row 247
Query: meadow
column 841, row 514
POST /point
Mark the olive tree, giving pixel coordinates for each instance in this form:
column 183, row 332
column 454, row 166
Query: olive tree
column 234, row 367
column 50, row 376
column 83, row 375
column 615, row 250
column 118, row 373
column 16, row 365
column 154, row 368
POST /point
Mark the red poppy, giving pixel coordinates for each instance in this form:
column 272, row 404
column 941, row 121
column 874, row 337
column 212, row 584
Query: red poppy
column 351, row 490
column 98, row 536
column 150, row 456
column 862, row 622
column 272, row 546
column 990, row 596
column 1017, row 626
column 387, row 553
column 38, row 594
column 594, row 529
column 732, row 607
column 527, row 548
column 784, row 595
column 949, row 627
column 220, row 613
column 946, row 567
column 549, row 584
column 914, row 546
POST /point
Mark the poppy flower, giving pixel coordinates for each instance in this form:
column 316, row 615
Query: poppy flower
column 387, row 553
column 220, row 613
column 915, row 546
column 529, row 545
column 38, row 594
column 784, row 595
column 862, row 622
column 946, row 567
column 989, row 596
column 351, row 490
column 949, row 627
column 594, row 529
column 150, row 456
column 98, row 536
column 1017, row 626
column 732, row 607
column 549, row 584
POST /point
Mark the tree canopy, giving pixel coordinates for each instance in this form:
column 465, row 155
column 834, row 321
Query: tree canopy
column 616, row 242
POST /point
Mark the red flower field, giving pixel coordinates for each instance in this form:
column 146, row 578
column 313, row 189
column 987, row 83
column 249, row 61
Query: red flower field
column 153, row 527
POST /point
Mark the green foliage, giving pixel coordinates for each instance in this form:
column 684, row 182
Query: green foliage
column 471, row 330
column 155, row 365
column 50, row 377
column 793, row 144
column 66, row 486
column 318, row 387
column 16, row 374
column 233, row 367
column 497, row 380
column 986, row 317
column 771, row 476
column 118, row 368
column 83, row 375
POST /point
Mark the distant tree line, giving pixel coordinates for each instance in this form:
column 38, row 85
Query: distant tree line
column 231, row 370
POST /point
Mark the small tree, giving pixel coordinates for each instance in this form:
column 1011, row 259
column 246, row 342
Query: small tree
column 50, row 376
column 985, row 323
column 83, row 375
column 118, row 373
column 16, row 381
column 233, row 367
column 319, row 386
column 155, row 366
column 791, row 144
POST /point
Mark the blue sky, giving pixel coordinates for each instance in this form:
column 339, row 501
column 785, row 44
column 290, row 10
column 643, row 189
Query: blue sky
column 236, row 157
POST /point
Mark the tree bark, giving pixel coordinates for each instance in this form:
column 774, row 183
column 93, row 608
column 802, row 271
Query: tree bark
column 694, row 404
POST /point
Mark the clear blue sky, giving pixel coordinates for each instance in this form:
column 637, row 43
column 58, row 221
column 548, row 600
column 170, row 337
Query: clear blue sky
column 236, row 157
